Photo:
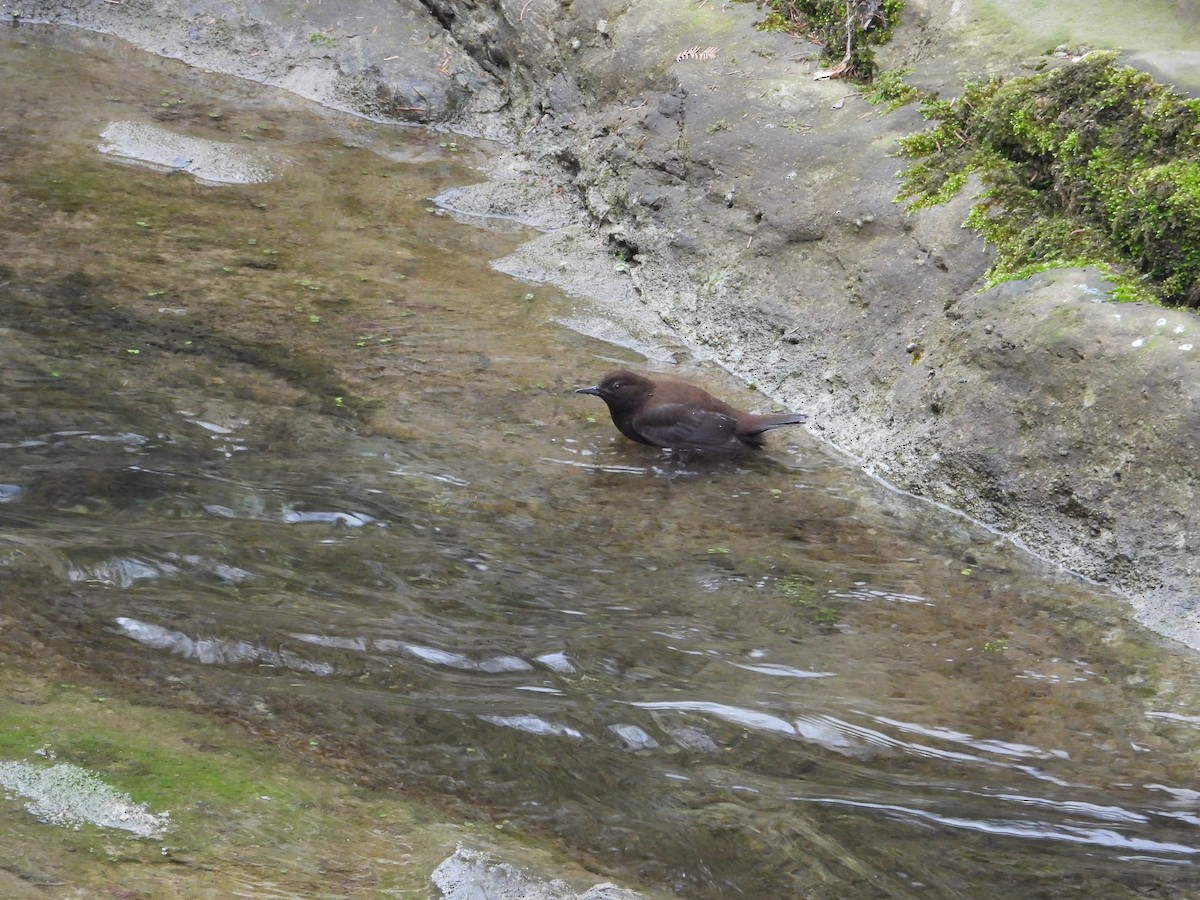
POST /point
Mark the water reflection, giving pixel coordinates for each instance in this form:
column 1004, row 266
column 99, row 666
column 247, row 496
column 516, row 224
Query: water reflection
column 366, row 510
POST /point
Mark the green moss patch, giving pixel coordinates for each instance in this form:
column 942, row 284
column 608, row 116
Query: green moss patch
column 1090, row 164
column 240, row 818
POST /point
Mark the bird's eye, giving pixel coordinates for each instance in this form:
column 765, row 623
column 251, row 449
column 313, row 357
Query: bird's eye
column 616, row 385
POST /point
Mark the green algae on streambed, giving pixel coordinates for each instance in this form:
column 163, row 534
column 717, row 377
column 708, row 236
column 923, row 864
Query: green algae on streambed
column 244, row 820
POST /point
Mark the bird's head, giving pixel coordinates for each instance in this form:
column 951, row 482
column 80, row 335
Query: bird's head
column 621, row 389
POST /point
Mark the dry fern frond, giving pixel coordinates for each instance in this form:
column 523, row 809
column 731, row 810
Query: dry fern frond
column 704, row 55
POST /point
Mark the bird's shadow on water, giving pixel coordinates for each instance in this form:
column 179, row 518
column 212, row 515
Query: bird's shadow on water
column 683, row 464
column 677, row 465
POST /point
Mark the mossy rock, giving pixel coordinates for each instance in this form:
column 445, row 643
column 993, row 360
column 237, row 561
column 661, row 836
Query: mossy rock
column 1055, row 153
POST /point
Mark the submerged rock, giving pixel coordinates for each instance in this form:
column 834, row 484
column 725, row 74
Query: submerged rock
column 68, row 796
column 209, row 162
column 475, row 875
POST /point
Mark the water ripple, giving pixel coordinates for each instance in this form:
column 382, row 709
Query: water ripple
column 1173, row 717
column 121, row 572
column 126, row 571
column 735, row 715
column 128, row 438
column 215, row 650
column 440, row 477
column 861, row 741
column 1078, row 807
column 533, row 725
column 862, row 592
column 434, row 655
column 351, row 520
column 599, row 467
column 1003, row 748
column 1074, row 834
column 780, row 671
column 289, row 515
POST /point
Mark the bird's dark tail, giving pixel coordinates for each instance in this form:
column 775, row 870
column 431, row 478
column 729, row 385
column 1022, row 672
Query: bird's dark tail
column 766, row 423
column 751, row 432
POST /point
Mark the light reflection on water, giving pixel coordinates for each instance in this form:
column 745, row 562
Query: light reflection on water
column 760, row 674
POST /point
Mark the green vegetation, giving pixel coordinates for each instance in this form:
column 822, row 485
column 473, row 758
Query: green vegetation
column 243, row 817
column 848, row 30
column 804, row 598
column 1090, row 164
column 890, row 90
column 794, row 586
column 158, row 775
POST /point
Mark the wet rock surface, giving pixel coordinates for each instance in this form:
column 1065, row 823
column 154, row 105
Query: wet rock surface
column 385, row 60
column 752, row 210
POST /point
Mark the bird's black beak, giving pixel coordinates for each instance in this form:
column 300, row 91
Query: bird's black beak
column 594, row 390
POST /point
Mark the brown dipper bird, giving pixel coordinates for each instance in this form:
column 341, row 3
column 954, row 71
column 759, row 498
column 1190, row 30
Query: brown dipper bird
column 664, row 412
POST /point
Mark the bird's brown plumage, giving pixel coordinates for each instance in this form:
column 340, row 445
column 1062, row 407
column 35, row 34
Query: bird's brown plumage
column 666, row 412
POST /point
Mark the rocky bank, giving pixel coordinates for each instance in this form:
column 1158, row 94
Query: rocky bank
column 745, row 208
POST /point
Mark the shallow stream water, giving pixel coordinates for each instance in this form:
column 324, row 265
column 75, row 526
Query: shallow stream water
column 276, row 440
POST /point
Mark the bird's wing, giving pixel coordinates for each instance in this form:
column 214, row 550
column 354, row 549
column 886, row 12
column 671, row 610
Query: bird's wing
column 682, row 426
